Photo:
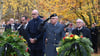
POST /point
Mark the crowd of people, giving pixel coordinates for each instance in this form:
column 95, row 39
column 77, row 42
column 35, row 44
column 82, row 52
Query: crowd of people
column 43, row 37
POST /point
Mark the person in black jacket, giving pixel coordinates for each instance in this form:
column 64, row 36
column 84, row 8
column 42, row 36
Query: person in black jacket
column 17, row 23
column 35, row 36
column 81, row 29
column 22, row 28
column 12, row 26
column 94, row 34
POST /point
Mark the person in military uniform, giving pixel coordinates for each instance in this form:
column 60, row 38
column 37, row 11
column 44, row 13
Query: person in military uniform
column 54, row 33
column 81, row 29
column 35, row 36
column 94, row 34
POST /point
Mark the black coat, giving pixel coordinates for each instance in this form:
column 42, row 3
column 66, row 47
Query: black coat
column 84, row 31
column 9, row 27
column 23, row 32
column 94, row 34
column 17, row 24
column 33, row 32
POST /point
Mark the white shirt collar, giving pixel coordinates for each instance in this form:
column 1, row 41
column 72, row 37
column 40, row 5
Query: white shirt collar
column 80, row 28
column 25, row 25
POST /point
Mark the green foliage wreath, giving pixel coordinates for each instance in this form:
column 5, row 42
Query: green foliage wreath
column 67, row 47
column 15, row 44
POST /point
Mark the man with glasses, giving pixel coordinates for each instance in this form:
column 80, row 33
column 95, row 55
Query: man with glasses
column 35, row 36
column 54, row 33
column 81, row 29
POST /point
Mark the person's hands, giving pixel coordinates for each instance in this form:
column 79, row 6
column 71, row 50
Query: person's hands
column 46, row 40
column 64, row 29
column 32, row 40
column 42, row 24
column 47, row 19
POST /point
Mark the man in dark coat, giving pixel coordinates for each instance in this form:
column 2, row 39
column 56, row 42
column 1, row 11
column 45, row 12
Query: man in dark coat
column 22, row 28
column 81, row 29
column 17, row 23
column 35, row 36
column 94, row 34
column 54, row 33
column 44, row 36
column 12, row 26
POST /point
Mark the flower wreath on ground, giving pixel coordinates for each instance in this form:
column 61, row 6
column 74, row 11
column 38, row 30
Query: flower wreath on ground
column 73, row 45
column 13, row 44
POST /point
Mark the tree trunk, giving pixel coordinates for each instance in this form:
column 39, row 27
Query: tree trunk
column 84, row 19
column 90, row 19
column 1, row 8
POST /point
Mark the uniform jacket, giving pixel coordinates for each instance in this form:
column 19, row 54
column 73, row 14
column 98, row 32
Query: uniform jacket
column 54, row 33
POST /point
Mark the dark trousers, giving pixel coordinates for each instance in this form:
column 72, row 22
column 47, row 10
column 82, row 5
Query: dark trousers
column 36, row 53
column 94, row 42
column 95, row 47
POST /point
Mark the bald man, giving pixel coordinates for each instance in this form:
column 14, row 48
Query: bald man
column 35, row 37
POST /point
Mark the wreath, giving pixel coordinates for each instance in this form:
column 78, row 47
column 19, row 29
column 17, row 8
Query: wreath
column 73, row 45
column 12, row 44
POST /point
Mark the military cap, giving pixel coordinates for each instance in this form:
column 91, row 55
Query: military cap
column 53, row 15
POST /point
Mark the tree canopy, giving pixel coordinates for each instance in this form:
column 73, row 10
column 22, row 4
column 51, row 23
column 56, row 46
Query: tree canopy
column 65, row 9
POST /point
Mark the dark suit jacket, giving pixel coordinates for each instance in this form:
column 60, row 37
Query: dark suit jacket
column 17, row 24
column 94, row 34
column 23, row 32
column 9, row 27
column 33, row 32
column 85, row 31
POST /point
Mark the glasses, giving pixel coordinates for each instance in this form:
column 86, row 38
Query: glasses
column 33, row 14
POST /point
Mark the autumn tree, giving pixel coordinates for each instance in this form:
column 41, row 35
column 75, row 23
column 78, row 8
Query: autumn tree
column 71, row 9
column 87, row 11
column 1, row 8
column 65, row 9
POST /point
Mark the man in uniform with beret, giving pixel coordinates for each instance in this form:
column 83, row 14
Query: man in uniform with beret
column 54, row 33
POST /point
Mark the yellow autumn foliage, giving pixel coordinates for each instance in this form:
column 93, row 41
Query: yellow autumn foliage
column 66, row 9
